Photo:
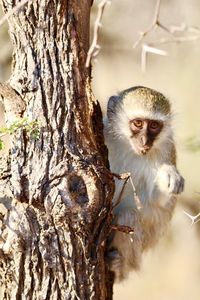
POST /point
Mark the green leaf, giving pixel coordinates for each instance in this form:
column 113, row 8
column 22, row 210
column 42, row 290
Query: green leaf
column 4, row 130
column 32, row 128
column 2, row 145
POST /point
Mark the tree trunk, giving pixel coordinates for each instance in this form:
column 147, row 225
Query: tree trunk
column 55, row 190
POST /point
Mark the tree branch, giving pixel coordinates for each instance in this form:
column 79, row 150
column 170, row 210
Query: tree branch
column 151, row 27
column 170, row 30
column 95, row 48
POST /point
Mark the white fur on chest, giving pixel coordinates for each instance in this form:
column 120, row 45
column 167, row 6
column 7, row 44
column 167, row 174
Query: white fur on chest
column 142, row 169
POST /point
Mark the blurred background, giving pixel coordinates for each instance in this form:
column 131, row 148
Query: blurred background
column 172, row 270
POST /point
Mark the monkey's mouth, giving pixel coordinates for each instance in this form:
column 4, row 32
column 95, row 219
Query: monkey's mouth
column 141, row 150
column 144, row 150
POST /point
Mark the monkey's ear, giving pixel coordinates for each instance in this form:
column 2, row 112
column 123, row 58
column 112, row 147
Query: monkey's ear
column 113, row 103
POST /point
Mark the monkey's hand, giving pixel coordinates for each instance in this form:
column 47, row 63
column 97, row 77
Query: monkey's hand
column 169, row 179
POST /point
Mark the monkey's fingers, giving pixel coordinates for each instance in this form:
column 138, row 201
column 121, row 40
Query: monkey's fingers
column 176, row 184
column 181, row 185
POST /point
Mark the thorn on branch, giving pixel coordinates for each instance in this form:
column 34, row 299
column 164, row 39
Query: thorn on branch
column 148, row 49
column 194, row 219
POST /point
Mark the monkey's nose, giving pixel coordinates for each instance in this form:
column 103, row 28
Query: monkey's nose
column 143, row 141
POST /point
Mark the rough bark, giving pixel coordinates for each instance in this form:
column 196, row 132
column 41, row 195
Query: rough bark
column 55, row 191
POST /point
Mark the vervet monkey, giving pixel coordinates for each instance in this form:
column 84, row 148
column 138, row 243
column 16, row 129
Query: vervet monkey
column 139, row 137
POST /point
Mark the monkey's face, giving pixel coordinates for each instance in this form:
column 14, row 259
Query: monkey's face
column 143, row 134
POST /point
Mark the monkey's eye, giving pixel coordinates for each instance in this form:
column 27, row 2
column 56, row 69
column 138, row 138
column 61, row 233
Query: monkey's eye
column 154, row 125
column 137, row 123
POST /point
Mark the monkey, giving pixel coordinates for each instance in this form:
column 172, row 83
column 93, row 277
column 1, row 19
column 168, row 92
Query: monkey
column 139, row 136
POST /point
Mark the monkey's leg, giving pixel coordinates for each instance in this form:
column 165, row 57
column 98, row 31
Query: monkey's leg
column 125, row 246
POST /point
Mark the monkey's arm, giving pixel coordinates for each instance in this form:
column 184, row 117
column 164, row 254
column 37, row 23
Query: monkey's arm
column 168, row 177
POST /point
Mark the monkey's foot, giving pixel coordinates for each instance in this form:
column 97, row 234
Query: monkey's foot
column 115, row 262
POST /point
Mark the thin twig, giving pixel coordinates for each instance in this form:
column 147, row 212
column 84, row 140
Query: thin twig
column 151, row 27
column 95, row 48
column 194, row 219
column 12, row 11
column 136, row 198
column 123, row 187
column 171, row 30
column 122, row 228
column 180, row 39
column 149, row 49
column 127, row 177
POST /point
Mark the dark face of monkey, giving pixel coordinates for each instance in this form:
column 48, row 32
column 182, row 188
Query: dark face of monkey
column 144, row 133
